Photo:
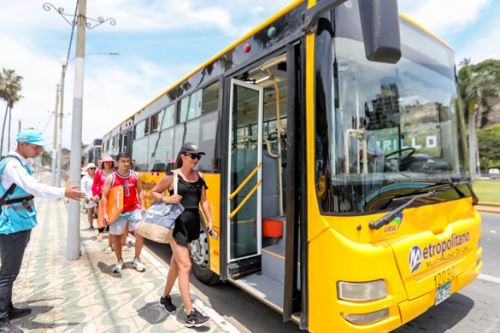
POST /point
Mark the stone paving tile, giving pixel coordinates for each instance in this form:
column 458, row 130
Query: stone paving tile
column 84, row 295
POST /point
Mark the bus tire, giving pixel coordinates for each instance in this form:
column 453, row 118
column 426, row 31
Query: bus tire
column 200, row 259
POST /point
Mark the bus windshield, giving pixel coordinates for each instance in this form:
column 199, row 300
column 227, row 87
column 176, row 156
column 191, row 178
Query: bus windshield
column 392, row 129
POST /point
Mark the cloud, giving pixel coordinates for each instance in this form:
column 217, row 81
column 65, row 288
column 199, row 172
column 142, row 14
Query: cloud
column 159, row 15
column 485, row 46
column 111, row 91
column 444, row 16
column 32, row 41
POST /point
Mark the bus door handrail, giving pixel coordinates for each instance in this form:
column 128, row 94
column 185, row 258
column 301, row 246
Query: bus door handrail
column 244, row 201
column 244, row 182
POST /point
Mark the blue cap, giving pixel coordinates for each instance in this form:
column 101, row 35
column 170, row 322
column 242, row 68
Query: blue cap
column 31, row 136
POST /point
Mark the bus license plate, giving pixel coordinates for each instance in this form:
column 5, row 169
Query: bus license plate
column 443, row 292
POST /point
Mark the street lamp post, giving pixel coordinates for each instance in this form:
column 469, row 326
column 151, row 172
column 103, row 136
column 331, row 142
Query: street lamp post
column 60, row 133
column 54, row 144
column 73, row 246
column 81, row 22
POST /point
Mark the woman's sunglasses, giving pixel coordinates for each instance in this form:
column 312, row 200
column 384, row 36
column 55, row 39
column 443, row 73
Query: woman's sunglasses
column 194, row 156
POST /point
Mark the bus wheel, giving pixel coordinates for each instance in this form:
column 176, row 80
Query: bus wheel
column 201, row 260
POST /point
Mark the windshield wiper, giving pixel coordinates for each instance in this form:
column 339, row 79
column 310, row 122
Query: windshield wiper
column 455, row 185
column 386, row 219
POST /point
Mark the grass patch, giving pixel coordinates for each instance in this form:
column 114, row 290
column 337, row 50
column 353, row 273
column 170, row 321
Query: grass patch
column 487, row 190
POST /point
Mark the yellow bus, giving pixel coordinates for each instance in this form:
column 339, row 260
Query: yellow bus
column 335, row 161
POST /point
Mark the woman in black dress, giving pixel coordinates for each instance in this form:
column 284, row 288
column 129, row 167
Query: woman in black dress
column 191, row 193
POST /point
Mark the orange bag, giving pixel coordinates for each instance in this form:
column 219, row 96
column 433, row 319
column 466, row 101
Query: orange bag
column 114, row 205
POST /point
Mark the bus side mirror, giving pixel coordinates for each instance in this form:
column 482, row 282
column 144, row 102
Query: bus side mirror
column 380, row 25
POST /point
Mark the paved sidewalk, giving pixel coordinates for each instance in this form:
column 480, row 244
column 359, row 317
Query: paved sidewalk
column 83, row 295
column 483, row 208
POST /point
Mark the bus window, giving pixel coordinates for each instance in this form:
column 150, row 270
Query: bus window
column 210, row 98
column 152, row 152
column 191, row 106
column 139, row 130
column 140, row 155
column 155, row 121
column 207, row 141
column 168, row 119
column 178, row 137
column 146, row 127
column 161, row 150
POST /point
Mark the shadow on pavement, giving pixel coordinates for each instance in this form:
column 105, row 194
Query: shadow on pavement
column 441, row 318
column 28, row 322
column 106, row 269
column 152, row 313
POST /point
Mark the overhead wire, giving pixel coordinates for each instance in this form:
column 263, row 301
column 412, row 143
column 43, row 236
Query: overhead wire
column 72, row 34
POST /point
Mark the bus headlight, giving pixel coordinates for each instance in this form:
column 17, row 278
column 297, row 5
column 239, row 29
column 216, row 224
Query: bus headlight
column 362, row 291
column 366, row 318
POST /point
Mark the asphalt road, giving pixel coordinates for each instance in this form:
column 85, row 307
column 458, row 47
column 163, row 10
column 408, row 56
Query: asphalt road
column 475, row 309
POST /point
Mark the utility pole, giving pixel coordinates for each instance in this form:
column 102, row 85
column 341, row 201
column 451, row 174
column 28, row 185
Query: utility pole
column 54, row 143
column 82, row 22
column 73, row 248
column 60, row 132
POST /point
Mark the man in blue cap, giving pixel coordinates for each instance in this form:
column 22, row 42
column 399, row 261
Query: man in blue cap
column 18, row 216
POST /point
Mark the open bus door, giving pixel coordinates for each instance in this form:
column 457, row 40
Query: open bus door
column 244, row 222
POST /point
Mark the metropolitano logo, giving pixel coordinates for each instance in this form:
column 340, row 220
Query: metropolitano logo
column 415, row 258
column 438, row 251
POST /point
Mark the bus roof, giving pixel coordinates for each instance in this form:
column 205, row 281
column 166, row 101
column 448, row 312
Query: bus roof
column 271, row 19
column 421, row 27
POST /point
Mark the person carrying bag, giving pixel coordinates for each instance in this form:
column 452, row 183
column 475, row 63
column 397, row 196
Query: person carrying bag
column 159, row 219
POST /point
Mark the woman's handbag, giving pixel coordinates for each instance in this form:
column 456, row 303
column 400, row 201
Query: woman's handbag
column 159, row 220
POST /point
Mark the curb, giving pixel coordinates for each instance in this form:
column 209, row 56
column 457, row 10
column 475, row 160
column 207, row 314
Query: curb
column 488, row 211
column 486, row 203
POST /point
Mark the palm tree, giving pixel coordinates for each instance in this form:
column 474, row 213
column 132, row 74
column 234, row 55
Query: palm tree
column 10, row 87
column 477, row 84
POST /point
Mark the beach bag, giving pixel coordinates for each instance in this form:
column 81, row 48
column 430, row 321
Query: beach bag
column 159, row 220
column 114, row 206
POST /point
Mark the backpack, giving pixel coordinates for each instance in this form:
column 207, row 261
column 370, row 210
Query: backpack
column 11, row 189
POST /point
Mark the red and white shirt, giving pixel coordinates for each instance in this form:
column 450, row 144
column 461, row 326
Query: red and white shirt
column 129, row 184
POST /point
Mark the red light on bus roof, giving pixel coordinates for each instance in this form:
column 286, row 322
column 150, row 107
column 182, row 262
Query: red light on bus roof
column 247, row 47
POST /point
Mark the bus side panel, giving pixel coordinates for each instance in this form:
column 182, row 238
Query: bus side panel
column 213, row 196
column 148, row 181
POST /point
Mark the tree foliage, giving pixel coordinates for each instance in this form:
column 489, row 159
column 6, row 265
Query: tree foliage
column 478, row 83
column 10, row 89
column 489, row 146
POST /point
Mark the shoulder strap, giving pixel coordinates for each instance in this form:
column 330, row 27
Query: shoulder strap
column 13, row 156
column 9, row 191
column 12, row 187
column 176, row 181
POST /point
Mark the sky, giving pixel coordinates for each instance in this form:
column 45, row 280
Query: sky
column 160, row 41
